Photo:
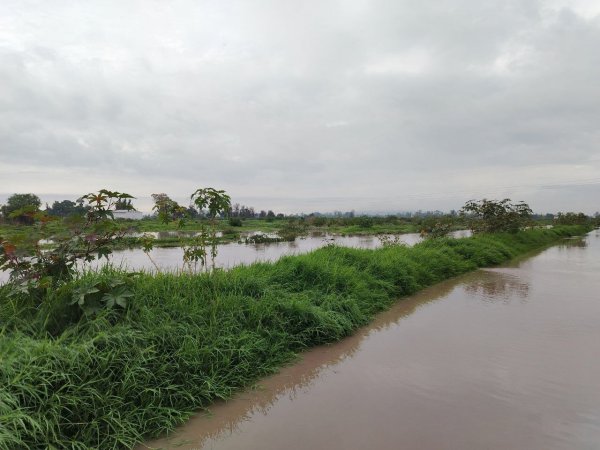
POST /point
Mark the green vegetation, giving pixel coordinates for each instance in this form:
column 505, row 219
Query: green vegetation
column 20, row 208
column 380, row 225
column 67, row 208
column 571, row 218
column 33, row 267
column 493, row 216
column 170, row 344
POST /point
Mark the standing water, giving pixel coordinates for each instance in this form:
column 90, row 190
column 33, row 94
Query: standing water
column 234, row 254
column 502, row 358
column 170, row 259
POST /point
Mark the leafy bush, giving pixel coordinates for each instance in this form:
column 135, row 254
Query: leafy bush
column 21, row 208
column 571, row 218
column 35, row 267
column 493, row 216
column 365, row 222
column 436, row 227
column 235, row 222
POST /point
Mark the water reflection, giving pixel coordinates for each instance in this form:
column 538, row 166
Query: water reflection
column 574, row 242
column 497, row 285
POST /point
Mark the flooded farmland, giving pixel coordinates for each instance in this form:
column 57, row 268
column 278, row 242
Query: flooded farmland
column 499, row 358
column 234, row 254
column 169, row 259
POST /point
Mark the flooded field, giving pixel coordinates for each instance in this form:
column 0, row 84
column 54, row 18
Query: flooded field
column 503, row 358
column 170, row 258
column 229, row 255
column 233, row 254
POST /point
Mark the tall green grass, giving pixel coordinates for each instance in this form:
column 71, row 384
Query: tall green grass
column 187, row 340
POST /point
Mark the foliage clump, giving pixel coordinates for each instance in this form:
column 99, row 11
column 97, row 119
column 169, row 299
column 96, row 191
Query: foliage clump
column 21, row 208
column 571, row 218
column 210, row 202
column 495, row 216
column 39, row 259
column 436, row 226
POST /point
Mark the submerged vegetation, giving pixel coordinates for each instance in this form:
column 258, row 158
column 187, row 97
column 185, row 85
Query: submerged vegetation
column 170, row 344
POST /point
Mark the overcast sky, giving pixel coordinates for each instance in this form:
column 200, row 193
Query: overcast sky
column 304, row 105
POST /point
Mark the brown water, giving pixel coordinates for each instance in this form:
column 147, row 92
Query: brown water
column 503, row 358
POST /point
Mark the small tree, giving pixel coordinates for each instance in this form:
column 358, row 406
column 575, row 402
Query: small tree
column 571, row 218
column 493, row 216
column 216, row 203
column 66, row 208
column 436, row 226
column 209, row 202
column 124, row 204
column 167, row 209
column 21, row 208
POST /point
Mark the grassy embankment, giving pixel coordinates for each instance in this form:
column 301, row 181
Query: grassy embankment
column 186, row 340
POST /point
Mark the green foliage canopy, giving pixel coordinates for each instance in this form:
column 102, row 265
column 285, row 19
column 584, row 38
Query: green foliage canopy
column 66, row 208
column 21, row 207
column 494, row 216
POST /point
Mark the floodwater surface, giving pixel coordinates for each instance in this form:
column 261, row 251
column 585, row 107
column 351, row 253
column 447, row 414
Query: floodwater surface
column 234, row 254
column 170, row 259
column 502, row 358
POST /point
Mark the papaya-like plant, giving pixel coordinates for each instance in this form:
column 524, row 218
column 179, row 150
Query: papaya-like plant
column 215, row 202
column 37, row 258
column 196, row 251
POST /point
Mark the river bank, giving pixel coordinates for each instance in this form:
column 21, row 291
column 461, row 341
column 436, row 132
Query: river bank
column 187, row 340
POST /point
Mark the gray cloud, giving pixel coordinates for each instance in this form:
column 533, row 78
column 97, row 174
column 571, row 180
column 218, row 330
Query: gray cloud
column 317, row 105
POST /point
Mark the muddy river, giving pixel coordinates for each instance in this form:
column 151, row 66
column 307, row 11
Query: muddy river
column 502, row 358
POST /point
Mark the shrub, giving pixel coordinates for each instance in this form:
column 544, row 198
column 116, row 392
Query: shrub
column 235, row 222
column 493, row 216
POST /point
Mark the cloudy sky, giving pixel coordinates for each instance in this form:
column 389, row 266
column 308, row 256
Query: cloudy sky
column 299, row 106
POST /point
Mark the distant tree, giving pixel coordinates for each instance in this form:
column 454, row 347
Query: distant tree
column 436, row 226
column 571, row 218
column 365, row 221
column 318, row 221
column 235, row 210
column 21, row 208
column 262, row 214
column 247, row 212
column 492, row 216
column 66, row 208
column 166, row 208
column 192, row 212
column 124, row 204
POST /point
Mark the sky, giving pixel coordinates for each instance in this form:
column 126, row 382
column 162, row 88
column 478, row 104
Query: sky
column 319, row 105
